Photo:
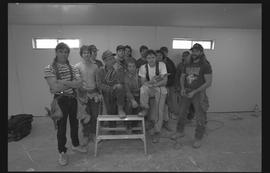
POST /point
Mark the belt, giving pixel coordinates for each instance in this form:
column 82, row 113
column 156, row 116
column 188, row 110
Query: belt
column 64, row 94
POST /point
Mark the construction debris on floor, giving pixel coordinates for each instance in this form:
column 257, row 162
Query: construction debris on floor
column 228, row 145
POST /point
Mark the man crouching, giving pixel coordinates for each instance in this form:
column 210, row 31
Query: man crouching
column 110, row 83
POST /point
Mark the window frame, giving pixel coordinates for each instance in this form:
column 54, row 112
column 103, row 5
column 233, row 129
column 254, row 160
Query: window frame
column 212, row 43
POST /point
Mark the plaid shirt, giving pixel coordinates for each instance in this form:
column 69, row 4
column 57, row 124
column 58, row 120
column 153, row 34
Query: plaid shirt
column 107, row 78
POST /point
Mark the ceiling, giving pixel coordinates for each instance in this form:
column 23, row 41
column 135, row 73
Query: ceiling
column 246, row 16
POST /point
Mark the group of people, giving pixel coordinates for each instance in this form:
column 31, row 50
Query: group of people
column 125, row 86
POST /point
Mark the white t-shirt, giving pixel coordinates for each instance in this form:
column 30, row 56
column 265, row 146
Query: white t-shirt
column 152, row 73
column 152, row 70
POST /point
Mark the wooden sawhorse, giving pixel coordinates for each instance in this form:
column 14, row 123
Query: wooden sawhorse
column 104, row 118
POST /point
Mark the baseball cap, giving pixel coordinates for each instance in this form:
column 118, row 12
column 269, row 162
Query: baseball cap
column 197, row 46
column 119, row 47
column 107, row 54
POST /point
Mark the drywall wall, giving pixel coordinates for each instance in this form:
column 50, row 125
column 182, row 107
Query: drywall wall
column 236, row 60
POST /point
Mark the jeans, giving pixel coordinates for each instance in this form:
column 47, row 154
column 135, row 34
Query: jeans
column 191, row 111
column 200, row 108
column 68, row 105
column 160, row 94
column 114, row 99
column 132, row 111
column 92, row 109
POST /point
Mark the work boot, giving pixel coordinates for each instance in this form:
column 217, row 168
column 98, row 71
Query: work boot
column 177, row 135
column 79, row 148
column 122, row 113
column 197, row 143
column 143, row 113
column 63, row 159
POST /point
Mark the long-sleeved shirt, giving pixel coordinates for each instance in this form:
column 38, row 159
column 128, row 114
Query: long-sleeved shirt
column 107, row 78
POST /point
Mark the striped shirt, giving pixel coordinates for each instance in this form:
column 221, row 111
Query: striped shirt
column 64, row 74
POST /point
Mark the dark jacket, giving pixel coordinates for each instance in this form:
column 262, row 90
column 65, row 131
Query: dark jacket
column 170, row 69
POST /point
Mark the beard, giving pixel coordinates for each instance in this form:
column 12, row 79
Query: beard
column 195, row 57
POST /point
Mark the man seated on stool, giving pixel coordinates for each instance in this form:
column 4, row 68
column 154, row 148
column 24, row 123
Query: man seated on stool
column 154, row 79
column 110, row 84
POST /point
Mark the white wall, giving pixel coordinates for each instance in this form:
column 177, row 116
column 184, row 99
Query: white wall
column 236, row 60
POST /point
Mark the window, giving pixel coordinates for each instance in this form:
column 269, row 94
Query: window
column 45, row 43
column 72, row 43
column 183, row 43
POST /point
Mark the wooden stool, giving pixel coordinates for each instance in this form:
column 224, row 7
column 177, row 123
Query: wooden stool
column 105, row 118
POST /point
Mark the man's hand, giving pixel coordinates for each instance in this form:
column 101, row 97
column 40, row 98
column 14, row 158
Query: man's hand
column 150, row 85
column 191, row 94
column 86, row 119
column 117, row 86
column 63, row 82
column 183, row 92
column 60, row 87
column 116, row 66
column 134, row 104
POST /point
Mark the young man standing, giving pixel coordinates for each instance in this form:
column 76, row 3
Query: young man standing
column 154, row 80
column 186, row 60
column 89, row 91
column 170, row 84
column 111, row 85
column 120, row 56
column 141, row 61
column 195, row 79
column 161, row 57
column 63, row 78
column 93, row 55
column 128, row 53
